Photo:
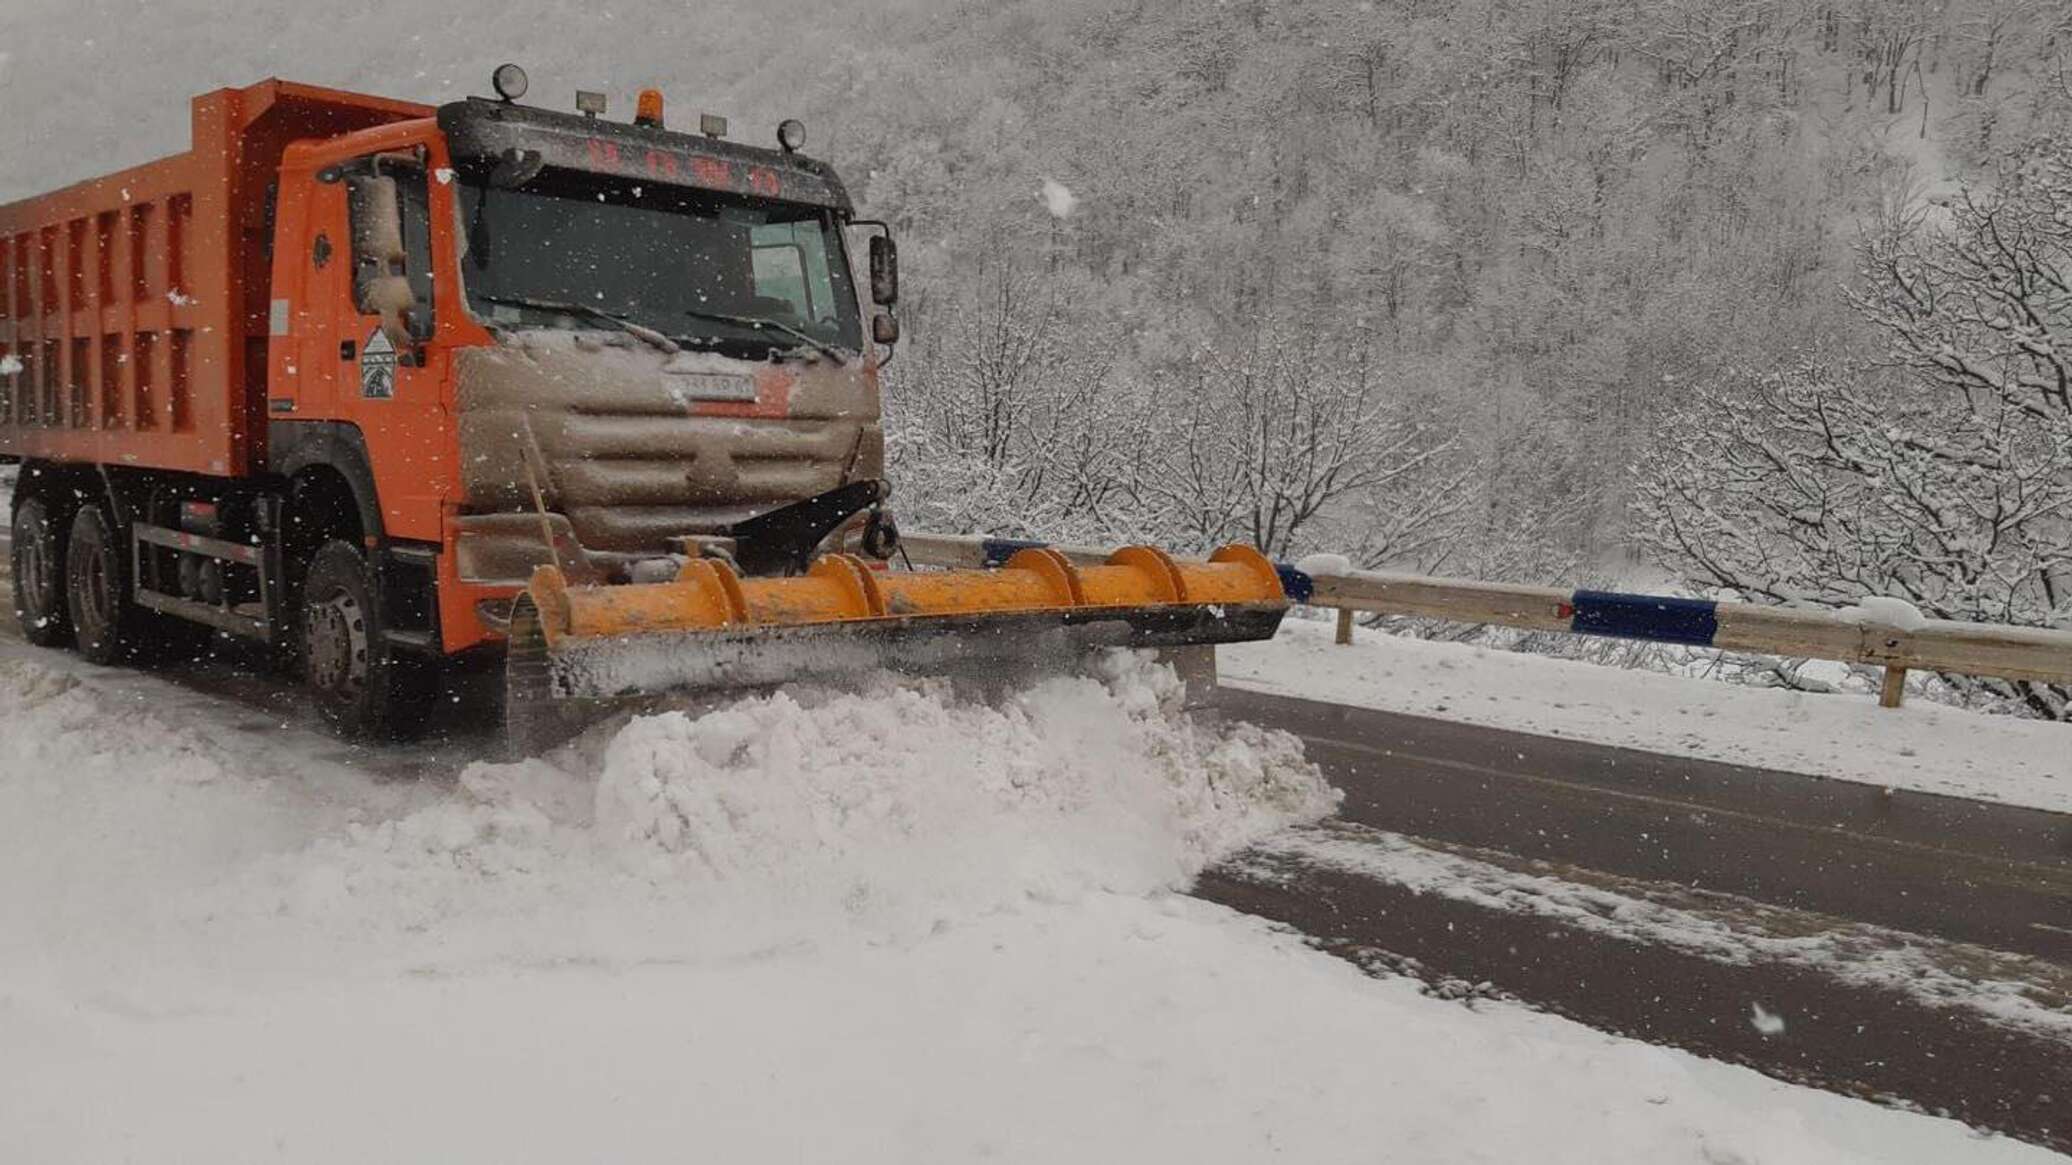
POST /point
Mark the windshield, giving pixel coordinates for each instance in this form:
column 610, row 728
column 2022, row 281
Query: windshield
column 707, row 270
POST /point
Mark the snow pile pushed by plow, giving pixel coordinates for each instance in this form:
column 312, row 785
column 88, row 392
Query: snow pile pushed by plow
column 877, row 814
column 895, row 924
column 908, row 793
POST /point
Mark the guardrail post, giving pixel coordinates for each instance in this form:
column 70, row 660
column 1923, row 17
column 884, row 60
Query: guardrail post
column 1345, row 626
column 1894, row 691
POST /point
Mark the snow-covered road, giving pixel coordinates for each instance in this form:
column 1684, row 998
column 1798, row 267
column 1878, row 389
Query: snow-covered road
column 895, row 925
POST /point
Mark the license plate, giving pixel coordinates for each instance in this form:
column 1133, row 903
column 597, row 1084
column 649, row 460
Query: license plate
column 705, row 386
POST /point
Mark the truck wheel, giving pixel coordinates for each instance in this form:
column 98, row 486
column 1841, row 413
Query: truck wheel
column 364, row 687
column 39, row 575
column 105, row 623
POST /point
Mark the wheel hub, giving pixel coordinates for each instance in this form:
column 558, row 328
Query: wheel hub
column 337, row 645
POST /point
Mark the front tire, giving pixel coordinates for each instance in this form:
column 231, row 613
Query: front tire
column 363, row 686
column 38, row 562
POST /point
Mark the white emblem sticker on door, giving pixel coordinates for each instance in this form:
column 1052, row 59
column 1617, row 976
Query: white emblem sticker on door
column 378, row 367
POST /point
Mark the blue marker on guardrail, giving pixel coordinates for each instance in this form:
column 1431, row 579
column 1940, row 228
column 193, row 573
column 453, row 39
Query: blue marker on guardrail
column 1652, row 617
column 1299, row 586
column 998, row 550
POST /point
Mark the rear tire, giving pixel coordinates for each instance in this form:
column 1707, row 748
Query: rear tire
column 106, row 625
column 363, row 686
column 38, row 563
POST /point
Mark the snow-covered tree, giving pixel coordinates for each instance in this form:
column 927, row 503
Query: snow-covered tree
column 1271, row 434
column 1942, row 475
column 1011, row 418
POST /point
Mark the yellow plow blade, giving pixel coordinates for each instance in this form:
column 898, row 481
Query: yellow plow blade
column 574, row 648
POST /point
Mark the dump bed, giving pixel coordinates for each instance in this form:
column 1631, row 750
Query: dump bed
column 133, row 308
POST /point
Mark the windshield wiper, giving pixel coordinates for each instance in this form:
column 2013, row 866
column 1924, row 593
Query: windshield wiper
column 832, row 352
column 637, row 331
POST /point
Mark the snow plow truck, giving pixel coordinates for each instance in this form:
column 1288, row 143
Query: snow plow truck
column 394, row 388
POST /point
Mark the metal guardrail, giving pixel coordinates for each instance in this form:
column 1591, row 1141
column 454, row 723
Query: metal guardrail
column 1978, row 649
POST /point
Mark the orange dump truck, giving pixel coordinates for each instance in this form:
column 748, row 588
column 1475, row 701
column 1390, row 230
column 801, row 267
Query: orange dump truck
column 387, row 385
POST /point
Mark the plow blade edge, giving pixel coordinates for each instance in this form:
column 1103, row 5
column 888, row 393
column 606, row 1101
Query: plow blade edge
column 578, row 652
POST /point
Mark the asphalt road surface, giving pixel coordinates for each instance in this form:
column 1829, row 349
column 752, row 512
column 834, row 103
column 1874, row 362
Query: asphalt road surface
column 1998, row 875
column 1978, row 897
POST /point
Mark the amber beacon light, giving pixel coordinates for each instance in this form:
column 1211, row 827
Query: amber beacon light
column 647, row 110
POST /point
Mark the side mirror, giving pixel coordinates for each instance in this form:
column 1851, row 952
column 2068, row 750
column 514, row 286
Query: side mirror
column 884, row 328
column 377, row 221
column 884, row 270
column 380, row 283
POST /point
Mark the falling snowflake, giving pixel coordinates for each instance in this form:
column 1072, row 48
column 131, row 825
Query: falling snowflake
column 1057, row 198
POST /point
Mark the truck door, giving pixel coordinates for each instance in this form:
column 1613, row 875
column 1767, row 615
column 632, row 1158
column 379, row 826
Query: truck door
column 390, row 381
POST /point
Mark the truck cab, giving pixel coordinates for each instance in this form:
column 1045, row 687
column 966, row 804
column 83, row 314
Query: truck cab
column 535, row 338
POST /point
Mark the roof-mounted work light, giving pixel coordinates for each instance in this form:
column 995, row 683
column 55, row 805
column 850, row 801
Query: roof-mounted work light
column 588, row 103
column 509, row 81
column 791, row 134
column 712, row 125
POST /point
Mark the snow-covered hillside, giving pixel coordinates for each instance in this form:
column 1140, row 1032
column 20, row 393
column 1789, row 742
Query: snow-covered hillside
column 893, row 925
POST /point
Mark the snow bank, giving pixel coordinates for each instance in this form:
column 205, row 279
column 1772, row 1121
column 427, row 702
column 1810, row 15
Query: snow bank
column 123, row 799
column 1926, row 746
column 882, row 814
column 907, row 791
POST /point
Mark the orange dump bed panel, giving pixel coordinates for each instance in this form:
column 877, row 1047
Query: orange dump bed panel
column 133, row 308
